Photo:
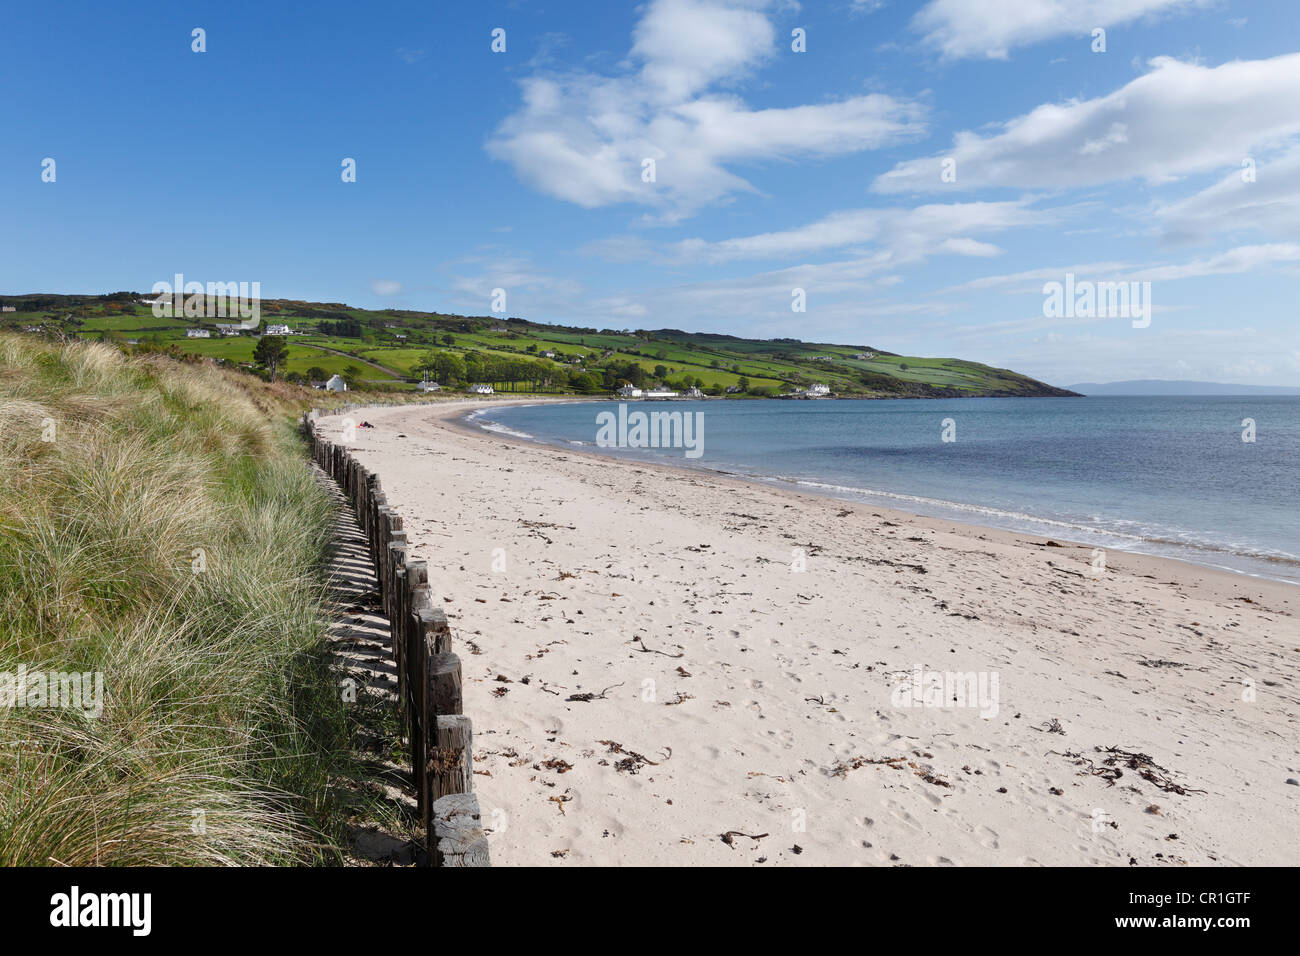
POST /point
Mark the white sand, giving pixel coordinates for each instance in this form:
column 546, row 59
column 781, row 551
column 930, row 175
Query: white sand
column 745, row 684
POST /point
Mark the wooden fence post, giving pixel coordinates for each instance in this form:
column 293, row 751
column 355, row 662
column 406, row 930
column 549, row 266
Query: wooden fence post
column 444, row 685
column 449, row 766
column 429, row 679
column 456, row 837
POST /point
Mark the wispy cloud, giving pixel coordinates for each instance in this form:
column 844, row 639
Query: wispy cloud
column 961, row 29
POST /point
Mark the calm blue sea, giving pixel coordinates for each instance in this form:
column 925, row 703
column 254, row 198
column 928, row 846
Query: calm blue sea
column 1169, row 476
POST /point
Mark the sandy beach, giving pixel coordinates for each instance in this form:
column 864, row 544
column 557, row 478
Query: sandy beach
column 667, row 667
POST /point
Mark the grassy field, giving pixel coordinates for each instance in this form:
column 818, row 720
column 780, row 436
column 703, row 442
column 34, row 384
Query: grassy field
column 158, row 528
column 399, row 341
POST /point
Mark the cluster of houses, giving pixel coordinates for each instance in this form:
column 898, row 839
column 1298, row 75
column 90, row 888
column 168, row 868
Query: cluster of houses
column 831, row 358
column 478, row 389
column 812, row 391
column 631, row 391
column 234, row 328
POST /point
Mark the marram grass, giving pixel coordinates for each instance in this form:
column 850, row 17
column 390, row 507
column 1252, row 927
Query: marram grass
column 158, row 527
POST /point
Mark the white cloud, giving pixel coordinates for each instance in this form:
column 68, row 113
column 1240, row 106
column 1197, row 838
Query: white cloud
column 1177, row 119
column 1268, row 204
column 583, row 137
column 1235, row 261
column 970, row 28
column 385, row 287
column 903, row 235
column 1229, row 262
column 529, row 290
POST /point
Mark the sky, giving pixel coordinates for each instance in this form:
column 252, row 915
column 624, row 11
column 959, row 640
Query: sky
column 920, row 171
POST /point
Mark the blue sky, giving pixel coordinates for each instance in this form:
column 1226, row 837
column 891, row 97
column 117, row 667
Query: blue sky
column 774, row 169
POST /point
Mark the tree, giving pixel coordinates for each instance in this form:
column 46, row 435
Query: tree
column 448, row 340
column 661, row 372
column 447, row 368
column 426, row 364
column 743, row 384
column 270, row 352
column 352, row 375
column 317, row 374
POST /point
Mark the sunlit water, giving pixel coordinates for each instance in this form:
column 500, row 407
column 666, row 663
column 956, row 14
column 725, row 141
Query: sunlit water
column 1169, row 476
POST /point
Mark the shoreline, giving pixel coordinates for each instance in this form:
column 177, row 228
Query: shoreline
column 668, row 667
column 458, row 420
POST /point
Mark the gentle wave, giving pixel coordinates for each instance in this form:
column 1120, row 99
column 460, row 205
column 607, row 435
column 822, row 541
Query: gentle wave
column 503, row 430
column 1168, row 537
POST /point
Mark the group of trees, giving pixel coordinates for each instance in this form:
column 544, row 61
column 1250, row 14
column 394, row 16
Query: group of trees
column 350, row 328
column 450, row 368
column 456, row 368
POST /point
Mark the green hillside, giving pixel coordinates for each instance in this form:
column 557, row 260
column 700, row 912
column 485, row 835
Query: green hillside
column 394, row 348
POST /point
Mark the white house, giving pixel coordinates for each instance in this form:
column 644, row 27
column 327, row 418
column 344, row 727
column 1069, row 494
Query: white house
column 198, row 334
column 864, row 355
column 336, row 384
column 278, row 330
column 480, row 389
column 660, row 392
column 8, row 308
column 548, row 355
column 817, row 391
column 693, row 392
column 229, row 328
column 429, row 387
column 629, row 391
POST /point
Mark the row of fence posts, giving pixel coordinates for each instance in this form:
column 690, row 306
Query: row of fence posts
column 428, row 673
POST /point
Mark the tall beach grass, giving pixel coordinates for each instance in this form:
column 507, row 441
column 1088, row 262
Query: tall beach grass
column 158, row 527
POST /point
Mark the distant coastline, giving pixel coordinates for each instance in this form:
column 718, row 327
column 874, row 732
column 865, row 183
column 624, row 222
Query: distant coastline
column 1174, row 387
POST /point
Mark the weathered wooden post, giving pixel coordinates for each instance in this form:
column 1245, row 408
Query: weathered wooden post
column 435, row 630
column 413, row 659
column 396, row 632
column 451, row 757
column 445, row 685
column 456, row 835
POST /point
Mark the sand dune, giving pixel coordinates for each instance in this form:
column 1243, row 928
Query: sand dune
column 736, row 651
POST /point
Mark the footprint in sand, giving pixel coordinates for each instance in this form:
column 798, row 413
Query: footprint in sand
column 901, row 814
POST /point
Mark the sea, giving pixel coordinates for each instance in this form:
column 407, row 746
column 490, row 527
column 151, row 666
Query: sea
column 1211, row 480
